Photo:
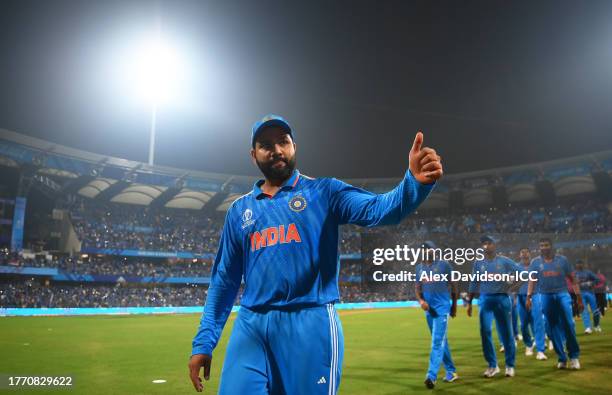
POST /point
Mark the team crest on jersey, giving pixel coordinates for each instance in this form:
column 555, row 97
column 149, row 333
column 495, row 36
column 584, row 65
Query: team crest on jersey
column 247, row 218
column 297, row 203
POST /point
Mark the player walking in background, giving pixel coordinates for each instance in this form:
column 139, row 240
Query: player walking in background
column 600, row 293
column 531, row 319
column 494, row 303
column 282, row 240
column 434, row 297
column 586, row 280
column 552, row 272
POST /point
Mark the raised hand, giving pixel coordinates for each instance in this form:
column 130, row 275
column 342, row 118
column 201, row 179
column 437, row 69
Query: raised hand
column 424, row 163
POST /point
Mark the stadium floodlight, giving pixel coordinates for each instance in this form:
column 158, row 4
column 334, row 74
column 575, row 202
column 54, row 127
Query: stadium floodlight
column 153, row 70
column 158, row 72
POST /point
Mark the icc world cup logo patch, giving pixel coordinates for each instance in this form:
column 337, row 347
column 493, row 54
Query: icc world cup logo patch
column 247, row 215
column 297, row 203
column 247, row 218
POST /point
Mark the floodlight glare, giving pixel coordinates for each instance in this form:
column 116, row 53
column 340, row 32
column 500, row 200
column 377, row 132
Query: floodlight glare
column 155, row 69
column 152, row 71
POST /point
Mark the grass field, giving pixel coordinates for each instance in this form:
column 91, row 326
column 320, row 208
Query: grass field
column 386, row 352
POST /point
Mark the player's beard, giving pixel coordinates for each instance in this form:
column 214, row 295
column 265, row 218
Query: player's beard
column 275, row 174
column 546, row 252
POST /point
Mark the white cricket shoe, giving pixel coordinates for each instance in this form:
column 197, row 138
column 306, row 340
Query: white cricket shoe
column 574, row 364
column 541, row 356
column 598, row 329
column 451, row 376
column 588, row 331
column 529, row 351
column 490, row 372
column 562, row 365
column 509, row 372
column 520, row 337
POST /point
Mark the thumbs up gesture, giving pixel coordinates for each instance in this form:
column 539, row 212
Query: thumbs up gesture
column 425, row 165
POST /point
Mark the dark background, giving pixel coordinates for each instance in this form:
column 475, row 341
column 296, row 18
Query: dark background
column 492, row 83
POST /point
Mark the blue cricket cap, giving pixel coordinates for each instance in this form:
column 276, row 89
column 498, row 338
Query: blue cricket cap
column 269, row 120
column 488, row 238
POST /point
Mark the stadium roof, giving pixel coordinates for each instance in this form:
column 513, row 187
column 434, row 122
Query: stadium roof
column 107, row 178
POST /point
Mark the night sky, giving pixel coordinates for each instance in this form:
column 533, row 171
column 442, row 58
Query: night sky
column 491, row 83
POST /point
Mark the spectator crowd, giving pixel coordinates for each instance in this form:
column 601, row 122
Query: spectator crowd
column 116, row 226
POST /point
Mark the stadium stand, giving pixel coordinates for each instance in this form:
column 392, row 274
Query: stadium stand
column 128, row 234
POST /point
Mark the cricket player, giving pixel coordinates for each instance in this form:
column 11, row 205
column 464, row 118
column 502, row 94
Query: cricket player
column 281, row 239
column 586, row 280
column 533, row 318
column 600, row 293
column 552, row 272
column 494, row 303
column 434, row 297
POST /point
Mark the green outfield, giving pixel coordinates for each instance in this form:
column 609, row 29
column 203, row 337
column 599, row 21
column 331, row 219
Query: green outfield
column 386, row 352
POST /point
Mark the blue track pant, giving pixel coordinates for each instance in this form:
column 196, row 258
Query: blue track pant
column 532, row 319
column 557, row 308
column 284, row 352
column 588, row 299
column 515, row 318
column 498, row 307
column 440, row 351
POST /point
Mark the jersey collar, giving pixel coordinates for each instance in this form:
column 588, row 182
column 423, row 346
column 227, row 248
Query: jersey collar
column 287, row 185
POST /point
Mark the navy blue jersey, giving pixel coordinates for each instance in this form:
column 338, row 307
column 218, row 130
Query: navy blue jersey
column 551, row 275
column 435, row 293
column 587, row 279
column 498, row 265
column 285, row 247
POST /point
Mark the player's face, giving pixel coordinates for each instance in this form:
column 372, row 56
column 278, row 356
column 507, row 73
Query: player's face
column 579, row 266
column 274, row 153
column 545, row 248
column 429, row 255
column 524, row 254
column 488, row 247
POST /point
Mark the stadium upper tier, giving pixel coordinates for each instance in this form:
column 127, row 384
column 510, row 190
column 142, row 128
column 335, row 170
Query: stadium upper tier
column 105, row 178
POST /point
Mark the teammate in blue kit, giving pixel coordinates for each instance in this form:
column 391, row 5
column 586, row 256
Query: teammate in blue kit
column 531, row 319
column 281, row 239
column 552, row 272
column 434, row 297
column 494, row 303
column 586, row 280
